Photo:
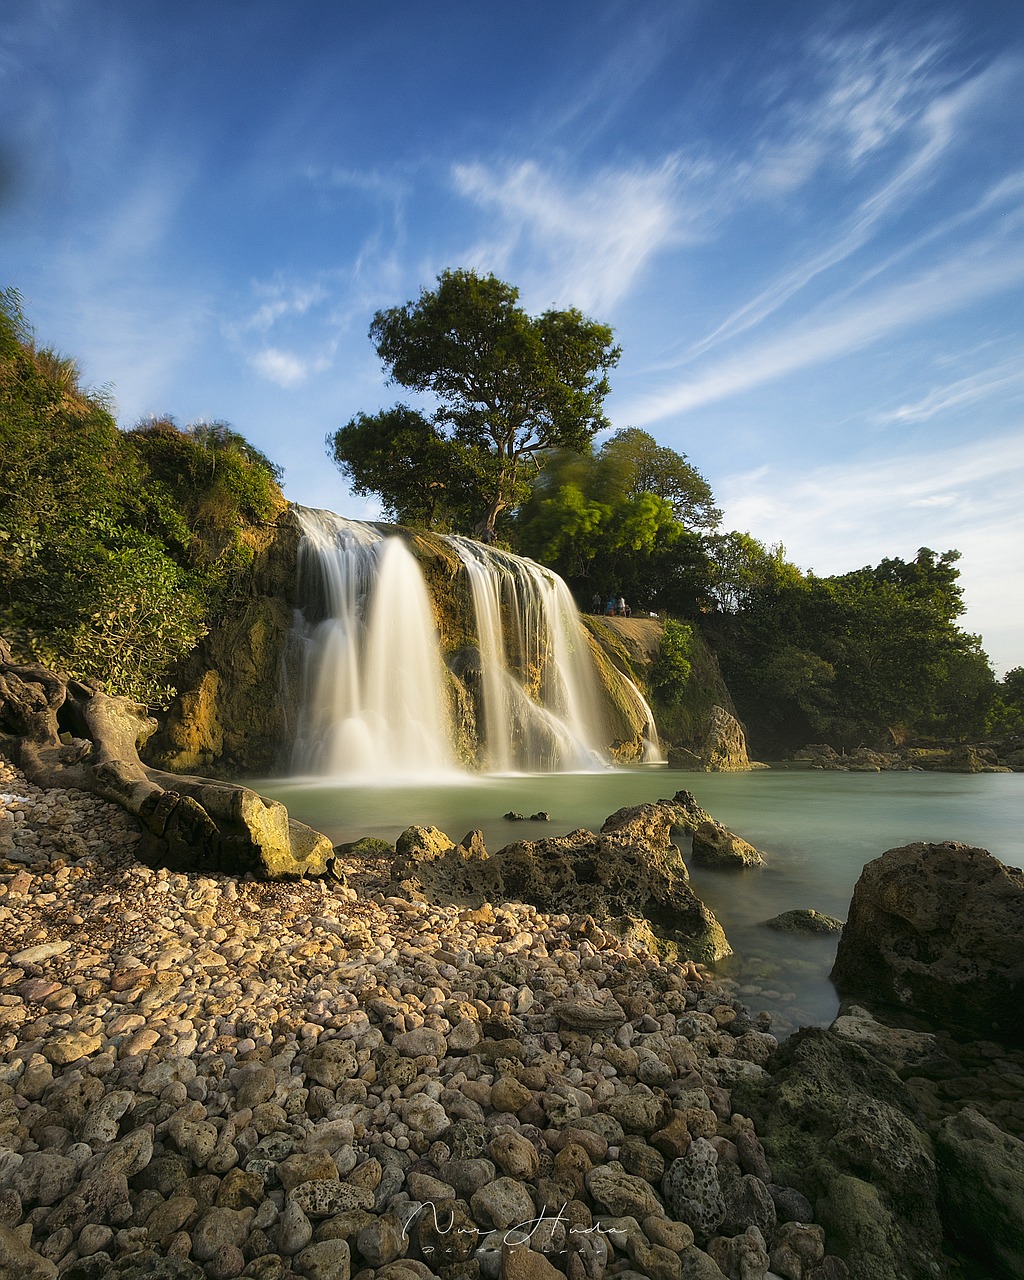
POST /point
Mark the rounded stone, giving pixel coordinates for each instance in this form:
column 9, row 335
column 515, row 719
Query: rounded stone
column 508, row 1095
column 326, row 1260
column 502, row 1204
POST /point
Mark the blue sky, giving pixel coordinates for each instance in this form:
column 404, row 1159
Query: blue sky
column 805, row 222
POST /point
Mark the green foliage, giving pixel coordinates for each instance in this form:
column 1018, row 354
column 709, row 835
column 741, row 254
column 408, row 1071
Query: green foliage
column 117, row 548
column 507, row 386
column 1005, row 714
column 864, row 657
column 632, row 463
column 587, row 517
column 745, row 571
column 422, row 477
column 671, row 670
column 141, row 612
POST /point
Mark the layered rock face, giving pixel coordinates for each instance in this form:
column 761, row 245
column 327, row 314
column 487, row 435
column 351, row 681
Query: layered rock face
column 936, row 930
column 230, row 717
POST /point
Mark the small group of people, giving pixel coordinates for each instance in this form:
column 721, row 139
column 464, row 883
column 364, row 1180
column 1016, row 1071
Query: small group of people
column 613, row 607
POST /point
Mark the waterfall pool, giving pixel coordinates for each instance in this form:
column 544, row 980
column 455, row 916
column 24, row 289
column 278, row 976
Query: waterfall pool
column 817, row 830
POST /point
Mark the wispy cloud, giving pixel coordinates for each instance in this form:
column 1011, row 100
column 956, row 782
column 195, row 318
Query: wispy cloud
column 826, row 333
column 881, row 94
column 283, row 299
column 1008, row 376
column 285, row 367
column 967, row 497
column 591, row 239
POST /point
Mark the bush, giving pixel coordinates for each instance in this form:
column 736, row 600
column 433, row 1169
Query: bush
column 119, row 548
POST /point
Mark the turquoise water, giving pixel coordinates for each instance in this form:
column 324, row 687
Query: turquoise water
column 817, row 830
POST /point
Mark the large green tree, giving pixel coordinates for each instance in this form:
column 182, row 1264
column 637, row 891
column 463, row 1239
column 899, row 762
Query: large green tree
column 507, row 387
column 632, row 463
column 866, row 657
column 622, row 521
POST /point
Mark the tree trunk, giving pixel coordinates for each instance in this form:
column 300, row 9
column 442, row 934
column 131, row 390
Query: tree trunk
column 192, row 823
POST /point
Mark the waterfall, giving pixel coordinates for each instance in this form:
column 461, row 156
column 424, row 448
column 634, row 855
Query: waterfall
column 374, row 697
column 373, row 701
column 653, row 753
column 541, row 702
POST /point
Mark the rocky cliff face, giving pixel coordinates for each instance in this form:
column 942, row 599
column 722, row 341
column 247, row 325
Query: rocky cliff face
column 230, row 718
column 699, row 727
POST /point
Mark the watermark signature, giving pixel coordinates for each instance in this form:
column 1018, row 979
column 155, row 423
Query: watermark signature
column 522, row 1233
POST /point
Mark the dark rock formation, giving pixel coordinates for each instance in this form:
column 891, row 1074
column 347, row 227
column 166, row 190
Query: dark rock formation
column 981, row 1173
column 844, row 1130
column 69, row 733
column 936, row 930
column 639, row 885
column 963, row 758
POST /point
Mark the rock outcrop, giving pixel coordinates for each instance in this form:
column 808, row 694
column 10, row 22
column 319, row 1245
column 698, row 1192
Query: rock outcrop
column 724, row 749
column 69, row 733
column 962, row 758
column 711, row 844
column 229, row 717
column 633, row 880
column 981, row 1173
column 935, row 930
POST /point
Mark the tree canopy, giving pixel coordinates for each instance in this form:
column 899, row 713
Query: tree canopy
column 865, row 657
column 622, row 521
column 508, row 387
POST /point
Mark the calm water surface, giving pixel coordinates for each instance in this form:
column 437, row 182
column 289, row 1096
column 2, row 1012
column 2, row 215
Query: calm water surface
column 817, row 830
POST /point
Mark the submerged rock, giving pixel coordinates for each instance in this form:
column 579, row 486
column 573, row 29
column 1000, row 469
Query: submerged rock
column 804, row 920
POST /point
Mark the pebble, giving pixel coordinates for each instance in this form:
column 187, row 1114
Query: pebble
column 271, row 1080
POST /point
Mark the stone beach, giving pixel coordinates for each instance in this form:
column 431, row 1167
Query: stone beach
column 205, row 1076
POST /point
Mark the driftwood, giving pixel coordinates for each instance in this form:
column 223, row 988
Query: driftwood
column 63, row 732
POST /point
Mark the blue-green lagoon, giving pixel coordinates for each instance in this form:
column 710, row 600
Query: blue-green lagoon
column 816, row 828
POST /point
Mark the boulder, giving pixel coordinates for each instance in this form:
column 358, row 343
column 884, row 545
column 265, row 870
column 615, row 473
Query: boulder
column 937, row 930
column 630, row 875
column 606, row 876
column 819, row 755
column 657, row 823
column 981, row 1172
column 713, row 844
column 724, row 749
column 903, row 1050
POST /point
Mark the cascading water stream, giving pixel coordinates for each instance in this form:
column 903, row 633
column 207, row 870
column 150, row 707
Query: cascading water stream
column 541, row 703
column 653, row 753
column 373, row 701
